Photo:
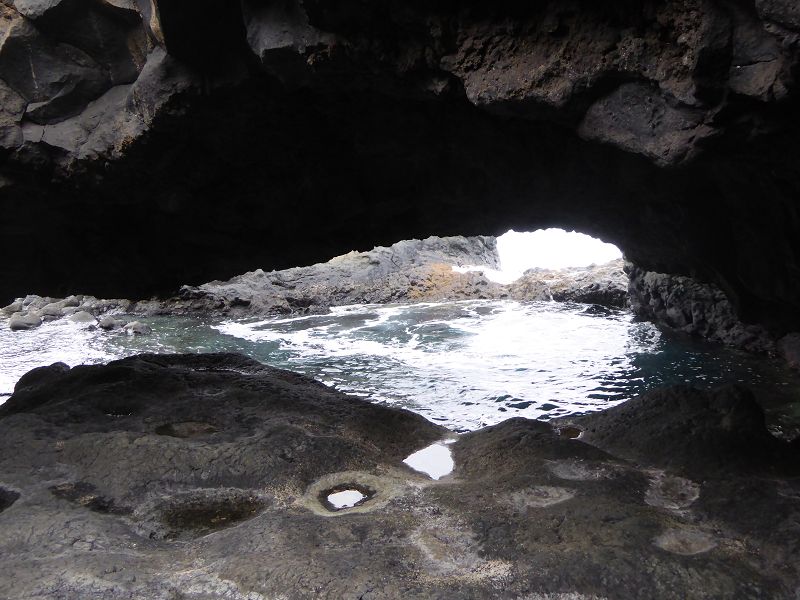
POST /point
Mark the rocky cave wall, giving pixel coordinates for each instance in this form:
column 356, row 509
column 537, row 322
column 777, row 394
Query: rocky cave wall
column 150, row 144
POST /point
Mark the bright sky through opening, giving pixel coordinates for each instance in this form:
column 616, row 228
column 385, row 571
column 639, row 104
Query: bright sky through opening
column 546, row 248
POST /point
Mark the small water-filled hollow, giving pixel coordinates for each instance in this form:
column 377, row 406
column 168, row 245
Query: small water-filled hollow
column 570, row 432
column 344, row 496
column 205, row 513
column 436, row 460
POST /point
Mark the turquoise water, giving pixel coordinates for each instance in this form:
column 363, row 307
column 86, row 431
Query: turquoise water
column 463, row 364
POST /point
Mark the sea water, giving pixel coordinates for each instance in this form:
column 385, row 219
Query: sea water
column 463, row 364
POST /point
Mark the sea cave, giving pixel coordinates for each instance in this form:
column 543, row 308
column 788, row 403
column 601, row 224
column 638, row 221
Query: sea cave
column 260, row 340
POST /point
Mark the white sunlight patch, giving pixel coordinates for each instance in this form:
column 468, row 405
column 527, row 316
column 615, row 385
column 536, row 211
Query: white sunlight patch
column 547, row 249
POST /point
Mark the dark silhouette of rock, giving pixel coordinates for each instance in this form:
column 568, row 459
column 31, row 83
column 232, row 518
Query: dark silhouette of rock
column 667, row 128
column 700, row 433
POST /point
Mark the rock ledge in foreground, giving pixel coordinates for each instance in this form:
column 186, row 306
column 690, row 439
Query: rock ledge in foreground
column 202, row 476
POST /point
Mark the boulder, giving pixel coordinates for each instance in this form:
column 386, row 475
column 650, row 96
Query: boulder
column 110, row 323
column 605, row 285
column 137, row 328
column 12, row 308
column 54, row 309
column 82, row 317
column 22, row 321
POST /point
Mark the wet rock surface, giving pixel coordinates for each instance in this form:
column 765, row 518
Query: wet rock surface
column 606, row 285
column 702, row 309
column 701, row 432
column 203, row 476
column 409, row 271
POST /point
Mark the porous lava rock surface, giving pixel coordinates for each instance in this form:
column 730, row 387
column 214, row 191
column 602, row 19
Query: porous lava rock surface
column 205, row 476
column 147, row 144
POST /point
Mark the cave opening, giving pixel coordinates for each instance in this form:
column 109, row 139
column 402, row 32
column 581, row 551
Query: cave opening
column 467, row 331
column 552, row 248
column 149, row 144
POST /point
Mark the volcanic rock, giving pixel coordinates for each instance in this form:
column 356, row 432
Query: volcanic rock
column 107, row 489
column 137, row 328
column 24, row 320
column 408, row 271
column 702, row 433
column 667, row 128
column 82, row 317
column 693, row 307
column 109, row 323
column 606, row 285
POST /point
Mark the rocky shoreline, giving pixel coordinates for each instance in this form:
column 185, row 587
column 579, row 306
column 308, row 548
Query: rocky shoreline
column 429, row 270
column 107, row 491
column 408, row 271
column 145, row 144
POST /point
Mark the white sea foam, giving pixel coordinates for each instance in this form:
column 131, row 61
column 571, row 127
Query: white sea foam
column 469, row 363
column 56, row 341
column 462, row 364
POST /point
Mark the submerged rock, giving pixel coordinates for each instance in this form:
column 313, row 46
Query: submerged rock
column 109, row 323
column 137, row 328
column 211, row 476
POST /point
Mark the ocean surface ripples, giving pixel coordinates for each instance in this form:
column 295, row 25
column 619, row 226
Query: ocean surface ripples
column 463, row 364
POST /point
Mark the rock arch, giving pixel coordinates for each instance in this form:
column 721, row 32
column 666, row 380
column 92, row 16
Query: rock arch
column 284, row 133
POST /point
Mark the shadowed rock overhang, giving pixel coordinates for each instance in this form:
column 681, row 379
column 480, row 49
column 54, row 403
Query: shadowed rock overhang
column 146, row 144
